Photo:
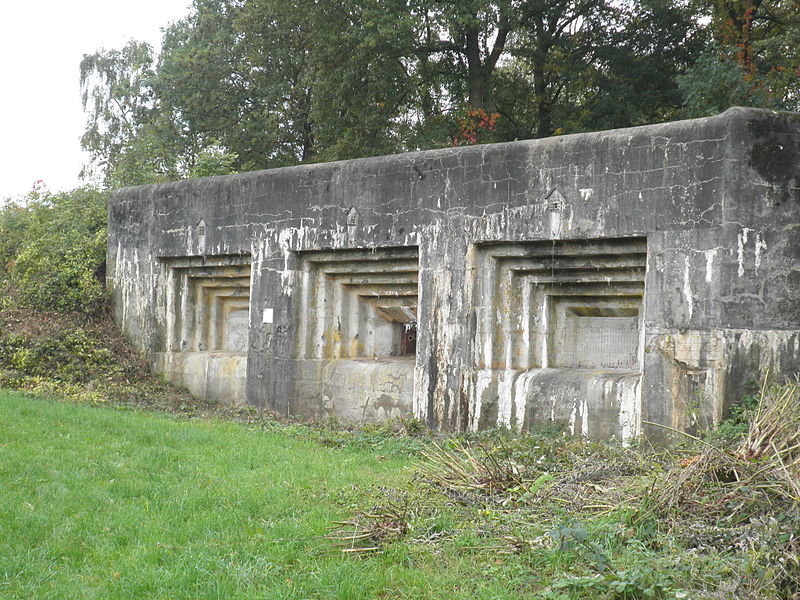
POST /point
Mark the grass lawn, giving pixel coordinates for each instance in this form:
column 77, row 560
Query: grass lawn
column 114, row 503
column 103, row 503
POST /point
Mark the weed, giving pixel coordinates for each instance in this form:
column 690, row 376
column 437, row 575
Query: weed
column 459, row 469
column 370, row 531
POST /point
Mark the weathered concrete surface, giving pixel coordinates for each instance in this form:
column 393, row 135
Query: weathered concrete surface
column 214, row 376
column 368, row 391
column 695, row 225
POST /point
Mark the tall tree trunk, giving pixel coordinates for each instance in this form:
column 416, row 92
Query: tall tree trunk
column 308, row 129
column 544, row 111
column 543, row 45
column 735, row 28
column 426, row 101
column 476, row 74
column 480, row 70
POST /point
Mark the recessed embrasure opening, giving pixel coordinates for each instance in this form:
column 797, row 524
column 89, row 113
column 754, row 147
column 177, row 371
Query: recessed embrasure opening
column 359, row 303
column 208, row 304
column 560, row 304
column 592, row 311
column 594, row 332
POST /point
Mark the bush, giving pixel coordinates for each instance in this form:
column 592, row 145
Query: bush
column 71, row 356
column 53, row 249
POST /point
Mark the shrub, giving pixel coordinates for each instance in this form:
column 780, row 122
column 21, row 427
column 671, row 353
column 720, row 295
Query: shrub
column 70, row 356
column 14, row 222
column 53, row 250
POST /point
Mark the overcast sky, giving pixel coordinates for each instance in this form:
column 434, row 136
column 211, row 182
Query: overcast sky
column 41, row 46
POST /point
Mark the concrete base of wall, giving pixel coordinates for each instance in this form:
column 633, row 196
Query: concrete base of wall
column 355, row 390
column 597, row 404
column 213, row 376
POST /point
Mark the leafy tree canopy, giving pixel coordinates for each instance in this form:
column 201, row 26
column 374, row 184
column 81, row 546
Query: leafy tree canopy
column 249, row 84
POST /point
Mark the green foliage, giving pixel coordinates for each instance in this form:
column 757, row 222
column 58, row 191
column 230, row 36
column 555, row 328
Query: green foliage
column 52, row 254
column 214, row 161
column 145, row 158
column 272, row 83
column 752, row 60
column 732, row 429
column 83, row 358
column 715, row 83
column 359, row 75
column 207, row 87
column 269, row 83
column 126, row 134
column 653, row 42
column 71, row 356
column 642, row 581
column 15, row 219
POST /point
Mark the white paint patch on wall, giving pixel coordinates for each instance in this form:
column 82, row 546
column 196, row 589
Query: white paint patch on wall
column 505, row 397
column 585, row 418
column 687, row 286
column 741, row 242
column 291, row 239
column 760, row 245
column 521, row 387
column 711, row 255
column 555, row 224
column 189, row 240
column 629, row 397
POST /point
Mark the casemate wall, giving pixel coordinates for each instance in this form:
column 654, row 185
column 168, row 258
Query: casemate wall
column 603, row 280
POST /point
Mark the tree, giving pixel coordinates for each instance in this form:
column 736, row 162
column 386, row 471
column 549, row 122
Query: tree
column 248, row 84
column 124, row 134
column 54, row 248
column 634, row 74
column 475, row 34
column 277, row 39
column 363, row 77
column 753, row 60
column 556, row 46
column 205, row 84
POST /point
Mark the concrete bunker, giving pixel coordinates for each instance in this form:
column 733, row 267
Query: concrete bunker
column 600, row 280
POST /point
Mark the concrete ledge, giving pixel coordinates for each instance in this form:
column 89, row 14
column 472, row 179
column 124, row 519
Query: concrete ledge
column 597, row 404
column 368, row 391
column 215, row 376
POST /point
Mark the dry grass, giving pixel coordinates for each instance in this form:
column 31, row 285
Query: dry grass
column 462, row 469
column 774, row 437
column 763, row 470
column 744, row 499
column 734, row 499
column 370, row 531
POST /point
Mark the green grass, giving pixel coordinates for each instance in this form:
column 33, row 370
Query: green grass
column 105, row 503
column 98, row 502
column 101, row 503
